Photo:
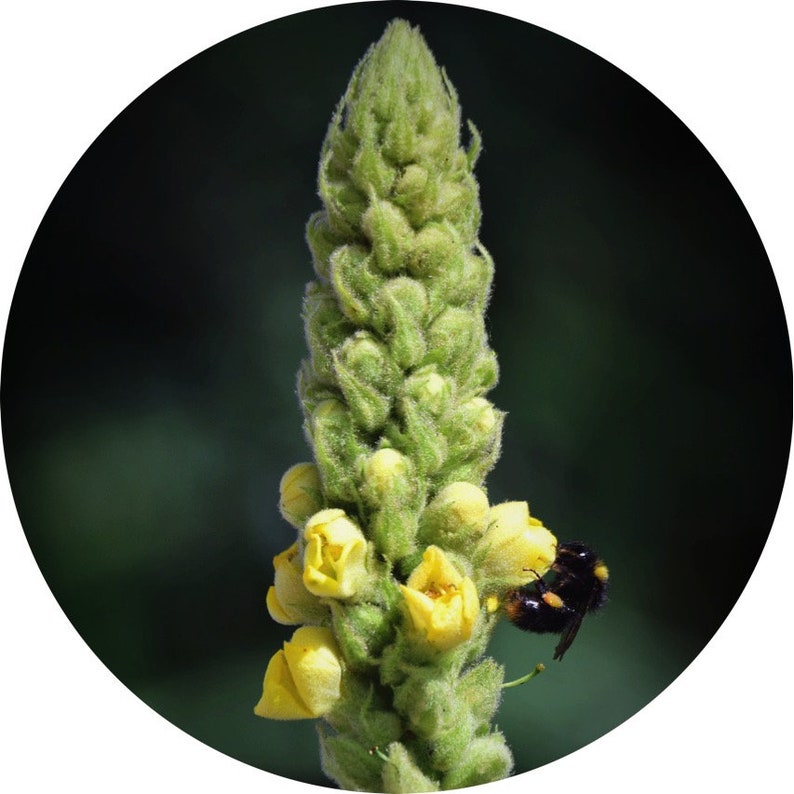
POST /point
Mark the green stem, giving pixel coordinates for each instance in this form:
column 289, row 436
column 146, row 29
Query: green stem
column 539, row 668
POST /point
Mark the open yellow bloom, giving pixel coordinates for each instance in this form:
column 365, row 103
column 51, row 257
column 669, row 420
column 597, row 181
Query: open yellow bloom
column 442, row 604
column 288, row 600
column 334, row 561
column 517, row 547
column 303, row 680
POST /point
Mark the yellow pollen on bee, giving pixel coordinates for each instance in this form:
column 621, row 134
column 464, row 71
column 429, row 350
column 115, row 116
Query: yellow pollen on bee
column 601, row 572
column 553, row 600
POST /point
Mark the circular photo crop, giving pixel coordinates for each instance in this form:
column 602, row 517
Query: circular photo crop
column 398, row 382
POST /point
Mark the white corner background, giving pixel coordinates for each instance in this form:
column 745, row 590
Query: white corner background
column 67, row 69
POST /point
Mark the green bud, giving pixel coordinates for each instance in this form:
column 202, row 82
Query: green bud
column 429, row 391
column 427, row 702
column 481, row 688
column 451, row 746
column 366, row 376
column 326, row 328
column 435, row 250
column 388, row 475
column 361, row 631
column 363, row 714
column 322, row 242
column 484, row 372
column 354, row 281
column 418, row 436
column 457, row 202
column 352, row 765
column 456, row 517
column 454, row 340
column 311, row 392
column 394, row 494
column 401, row 773
column 475, row 426
column 417, row 194
column 400, row 307
column 487, row 758
column 472, row 286
column 344, row 204
column 335, row 445
column 389, row 232
column 370, row 171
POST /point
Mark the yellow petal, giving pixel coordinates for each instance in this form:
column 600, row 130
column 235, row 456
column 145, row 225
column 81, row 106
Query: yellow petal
column 335, row 555
column 517, row 547
column 313, row 659
column 442, row 605
column 434, row 570
column 288, row 601
column 300, row 493
column 280, row 699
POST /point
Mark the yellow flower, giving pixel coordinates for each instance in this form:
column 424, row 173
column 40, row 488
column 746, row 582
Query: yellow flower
column 300, row 493
column 288, row 600
column 334, row 561
column 304, row 679
column 442, row 604
column 517, row 547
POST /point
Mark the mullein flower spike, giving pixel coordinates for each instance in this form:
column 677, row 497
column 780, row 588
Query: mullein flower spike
column 400, row 564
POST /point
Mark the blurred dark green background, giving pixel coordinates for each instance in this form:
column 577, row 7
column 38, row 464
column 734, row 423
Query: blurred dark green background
column 148, row 400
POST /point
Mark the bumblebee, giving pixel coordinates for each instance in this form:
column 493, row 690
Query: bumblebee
column 580, row 586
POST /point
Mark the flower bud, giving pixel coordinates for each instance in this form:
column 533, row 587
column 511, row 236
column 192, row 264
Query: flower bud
column 456, row 516
column 394, row 495
column 303, row 680
column 474, row 286
column 300, row 493
column 326, row 328
column 442, row 605
column 366, row 376
column 430, row 391
column 333, row 436
column 400, row 306
column 334, row 563
column 402, row 773
column 370, row 169
column 322, row 242
column 387, row 471
column 344, row 203
column 416, row 194
column 353, row 766
column 389, row 232
column 362, row 631
column 288, row 600
column 454, row 339
column 486, row 758
column 516, row 548
column 354, row 281
column 435, row 250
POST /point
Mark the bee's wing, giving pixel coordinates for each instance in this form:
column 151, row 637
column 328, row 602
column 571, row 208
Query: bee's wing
column 569, row 633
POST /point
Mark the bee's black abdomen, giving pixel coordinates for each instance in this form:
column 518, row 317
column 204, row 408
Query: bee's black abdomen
column 526, row 609
column 579, row 586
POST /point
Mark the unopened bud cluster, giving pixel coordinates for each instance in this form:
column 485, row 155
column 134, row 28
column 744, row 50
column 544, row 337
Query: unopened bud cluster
column 399, row 561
